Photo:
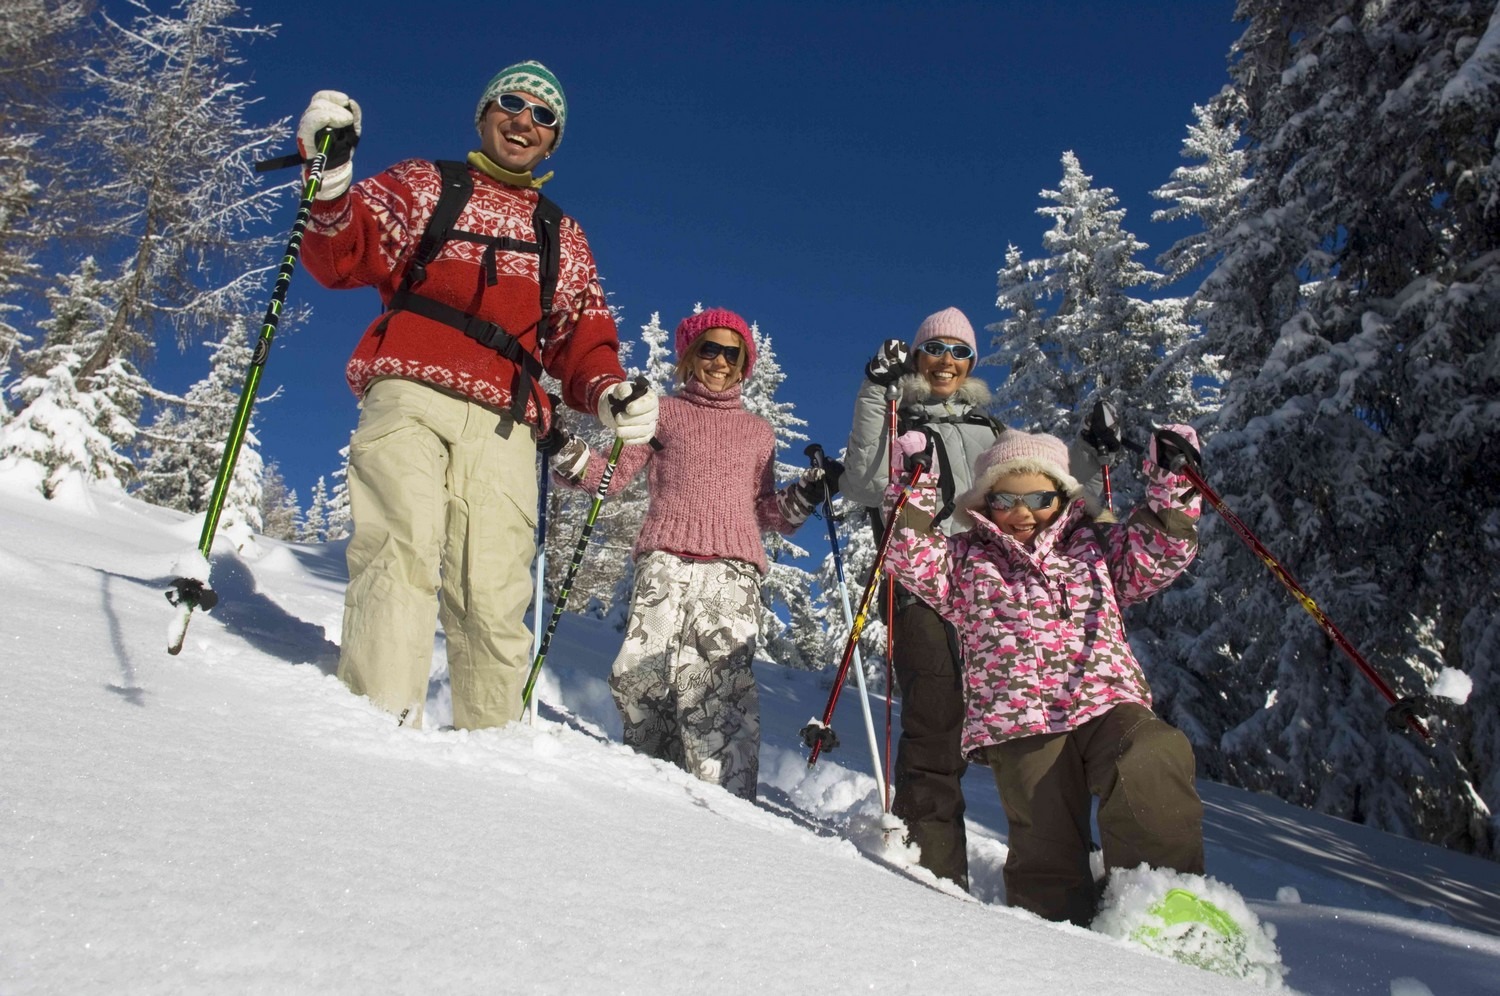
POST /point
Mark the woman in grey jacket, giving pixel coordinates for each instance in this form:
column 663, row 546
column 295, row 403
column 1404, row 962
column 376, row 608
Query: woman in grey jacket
column 936, row 394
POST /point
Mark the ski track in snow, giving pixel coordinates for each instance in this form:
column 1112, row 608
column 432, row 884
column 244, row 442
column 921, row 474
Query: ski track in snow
column 233, row 820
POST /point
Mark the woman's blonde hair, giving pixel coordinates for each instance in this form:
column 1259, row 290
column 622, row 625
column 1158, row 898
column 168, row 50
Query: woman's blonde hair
column 685, row 362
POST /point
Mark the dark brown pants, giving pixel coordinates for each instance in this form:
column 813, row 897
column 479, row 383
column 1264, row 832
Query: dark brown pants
column 929, row 764
column 1139, row 766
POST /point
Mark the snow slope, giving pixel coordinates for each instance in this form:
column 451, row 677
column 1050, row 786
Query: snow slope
column 232, row 820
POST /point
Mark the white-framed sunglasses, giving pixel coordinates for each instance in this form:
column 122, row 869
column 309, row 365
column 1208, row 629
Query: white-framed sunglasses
column 514, row 103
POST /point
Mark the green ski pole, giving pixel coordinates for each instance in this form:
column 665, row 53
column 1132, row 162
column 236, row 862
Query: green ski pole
column 189, row 593
column 640, row 388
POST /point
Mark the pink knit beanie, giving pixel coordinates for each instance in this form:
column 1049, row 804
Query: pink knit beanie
column 693, row 326
column 1020, row 452
column 949, row 323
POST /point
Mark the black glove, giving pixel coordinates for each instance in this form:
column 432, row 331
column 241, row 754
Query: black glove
column 889, row 364
column 556, row 438
column 833, row 472
column 1102, row 430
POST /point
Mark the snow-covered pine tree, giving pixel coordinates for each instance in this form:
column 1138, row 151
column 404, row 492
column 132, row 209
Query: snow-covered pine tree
column 72, row 431
column 182, row 449
column 340, row 519
column 1356, row 303
column 1098, row 339
column 786, row 585
column 1208, row 192
column 314, row 528
column 279, row 510
column 177, row 212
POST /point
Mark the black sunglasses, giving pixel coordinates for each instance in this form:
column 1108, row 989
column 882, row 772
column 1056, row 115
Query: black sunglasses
column 514, row 103
column 1004, row 501
column 710, row 350
column 934, row 348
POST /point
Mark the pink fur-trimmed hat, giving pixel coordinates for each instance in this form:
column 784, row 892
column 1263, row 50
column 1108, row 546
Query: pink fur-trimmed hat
column 950, row 323
column 693, row 326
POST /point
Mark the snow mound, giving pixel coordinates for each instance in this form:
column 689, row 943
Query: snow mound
column 1127, row 913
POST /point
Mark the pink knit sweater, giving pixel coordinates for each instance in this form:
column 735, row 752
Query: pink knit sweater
column 712, row 490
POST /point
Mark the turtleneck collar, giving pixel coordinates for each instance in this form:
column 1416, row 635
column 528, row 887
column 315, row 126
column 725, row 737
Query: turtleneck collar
column 490, row 168
column 695, row 392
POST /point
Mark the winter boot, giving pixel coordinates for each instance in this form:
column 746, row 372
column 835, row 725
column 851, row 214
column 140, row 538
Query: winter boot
column 1195, row 932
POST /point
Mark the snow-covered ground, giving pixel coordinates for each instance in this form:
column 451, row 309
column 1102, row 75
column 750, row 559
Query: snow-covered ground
column 232, row 820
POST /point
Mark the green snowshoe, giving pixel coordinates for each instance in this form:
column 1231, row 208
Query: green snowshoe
column 1195, row 932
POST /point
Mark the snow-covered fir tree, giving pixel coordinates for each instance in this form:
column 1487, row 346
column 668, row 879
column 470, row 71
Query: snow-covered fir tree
column 1098, row 340
column 314, row 528
column 280, row 513
column 1355, row 300
column 75, row 430
column 64, row 436
column 1207, row 192
column 182, row 449
column 787, row 587
column 340, row 518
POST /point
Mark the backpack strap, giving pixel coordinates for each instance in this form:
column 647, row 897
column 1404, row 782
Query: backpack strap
column 458, row 187
column 546, row 222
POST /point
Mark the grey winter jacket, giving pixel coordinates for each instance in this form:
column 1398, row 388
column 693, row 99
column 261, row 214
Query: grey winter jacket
column 867, row 461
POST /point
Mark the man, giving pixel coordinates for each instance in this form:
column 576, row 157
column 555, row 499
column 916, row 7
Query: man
column 442, row 467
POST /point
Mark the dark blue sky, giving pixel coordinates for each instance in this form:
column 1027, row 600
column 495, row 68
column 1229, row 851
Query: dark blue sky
column 832, row 171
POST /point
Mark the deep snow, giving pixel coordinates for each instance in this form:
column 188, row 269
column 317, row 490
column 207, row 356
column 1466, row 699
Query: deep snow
column 233, row 820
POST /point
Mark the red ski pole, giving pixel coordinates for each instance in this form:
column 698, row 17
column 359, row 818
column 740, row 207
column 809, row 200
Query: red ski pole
column 1402, row 710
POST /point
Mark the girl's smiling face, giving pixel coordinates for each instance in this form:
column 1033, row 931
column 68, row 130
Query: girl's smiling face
column 1020, row 520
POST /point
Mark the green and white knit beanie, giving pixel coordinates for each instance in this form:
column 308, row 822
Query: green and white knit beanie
column 529, row 77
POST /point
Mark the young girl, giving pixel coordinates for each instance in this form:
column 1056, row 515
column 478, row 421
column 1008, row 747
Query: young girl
column 938, row 394
column 682, row 680
column 1056, row 704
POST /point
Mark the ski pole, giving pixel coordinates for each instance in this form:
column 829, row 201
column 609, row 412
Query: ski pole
column 817, row 734
column 1180, row 459
column 616, row 405
column 545, row 453
column 815, row 454
column 188, row 593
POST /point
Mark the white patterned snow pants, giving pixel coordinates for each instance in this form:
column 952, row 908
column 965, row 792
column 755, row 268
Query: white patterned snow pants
column 682, row 680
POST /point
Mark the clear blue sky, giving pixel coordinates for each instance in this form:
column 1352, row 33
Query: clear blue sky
column 833, row 171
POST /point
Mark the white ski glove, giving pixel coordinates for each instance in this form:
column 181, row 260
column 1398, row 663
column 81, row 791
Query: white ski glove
column 572, row 459
column 337, row 111
column 633, row 419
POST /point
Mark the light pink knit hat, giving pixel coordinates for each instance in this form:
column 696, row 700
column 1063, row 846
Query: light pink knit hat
column 693, row 326
column 1021, row 452
column 949, row 323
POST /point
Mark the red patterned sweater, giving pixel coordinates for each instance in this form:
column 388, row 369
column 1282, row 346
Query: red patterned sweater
column 365, row 238
column 712, row 486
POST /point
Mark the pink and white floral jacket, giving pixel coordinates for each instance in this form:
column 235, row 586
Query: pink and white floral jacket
column 1041, row 629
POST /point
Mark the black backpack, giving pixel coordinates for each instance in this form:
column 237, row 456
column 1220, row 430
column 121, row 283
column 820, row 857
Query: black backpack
column 546, row 220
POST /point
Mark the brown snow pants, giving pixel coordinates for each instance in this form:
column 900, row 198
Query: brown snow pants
column 1141, row 769
column 443, row 493
column 929, row 763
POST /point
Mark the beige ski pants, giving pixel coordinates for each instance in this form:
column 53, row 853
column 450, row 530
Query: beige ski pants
column 443, row 494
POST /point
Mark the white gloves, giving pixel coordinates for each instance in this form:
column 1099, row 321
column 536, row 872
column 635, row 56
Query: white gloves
column 334, row 110
column 630, row 410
